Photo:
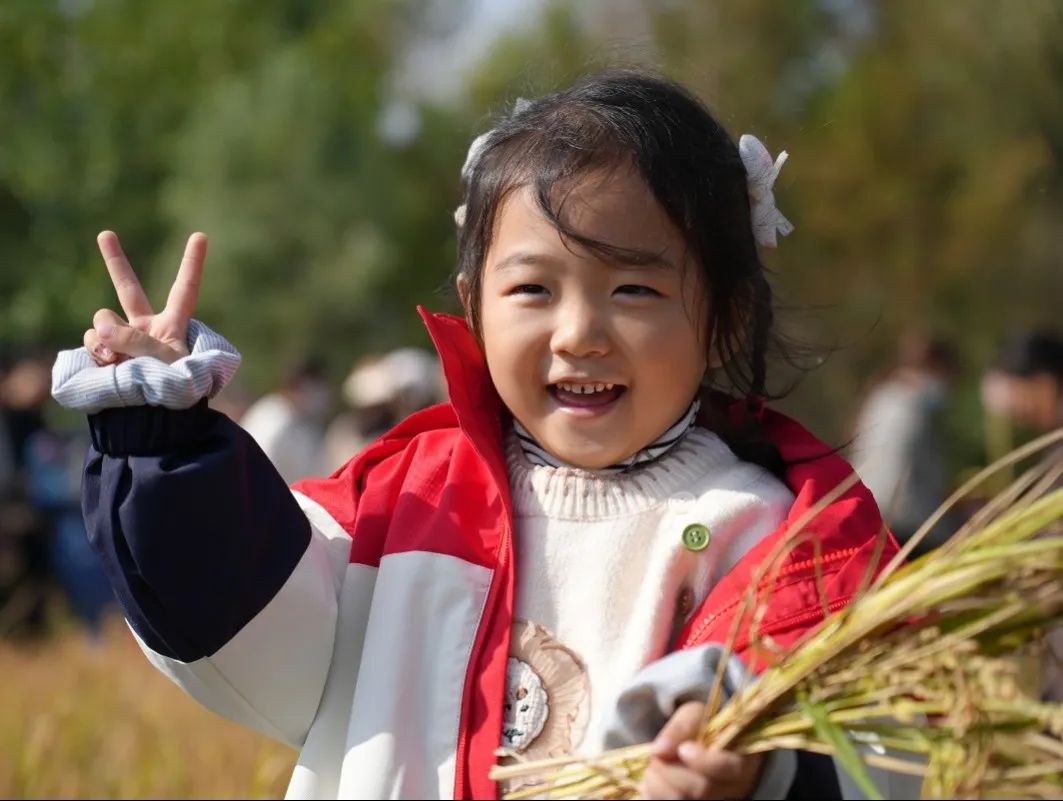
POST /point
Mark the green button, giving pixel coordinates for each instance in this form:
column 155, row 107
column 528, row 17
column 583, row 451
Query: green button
column 696, row 537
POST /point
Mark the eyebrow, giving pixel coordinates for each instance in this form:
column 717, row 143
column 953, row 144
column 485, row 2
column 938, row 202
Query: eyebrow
column 637, row 260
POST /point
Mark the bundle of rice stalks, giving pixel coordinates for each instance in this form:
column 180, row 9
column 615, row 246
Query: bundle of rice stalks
column 933, row 670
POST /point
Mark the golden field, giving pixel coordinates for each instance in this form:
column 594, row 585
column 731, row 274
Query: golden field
column 83, row 721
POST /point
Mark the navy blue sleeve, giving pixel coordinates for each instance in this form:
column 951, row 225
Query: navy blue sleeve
column 196, row 529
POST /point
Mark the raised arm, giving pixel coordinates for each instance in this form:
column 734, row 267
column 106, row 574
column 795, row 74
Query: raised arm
column 229, row 588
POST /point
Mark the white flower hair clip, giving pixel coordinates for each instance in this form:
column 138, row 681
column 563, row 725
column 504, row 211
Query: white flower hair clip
column 476, row 149
column 761, row 173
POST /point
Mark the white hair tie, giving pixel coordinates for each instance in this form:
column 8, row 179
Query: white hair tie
column 761, row 173
column 476, row 150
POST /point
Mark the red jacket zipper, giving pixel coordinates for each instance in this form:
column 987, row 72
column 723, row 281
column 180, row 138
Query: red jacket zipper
column 810, row 614
column 834, row 556
column 463, row 783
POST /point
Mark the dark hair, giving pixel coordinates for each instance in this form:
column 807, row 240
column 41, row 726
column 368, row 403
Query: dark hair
column 1031, row 353
column 305, row 368
column 692, row 166
column 927, row 352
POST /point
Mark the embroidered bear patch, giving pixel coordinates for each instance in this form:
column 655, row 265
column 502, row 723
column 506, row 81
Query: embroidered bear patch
column 547, row 702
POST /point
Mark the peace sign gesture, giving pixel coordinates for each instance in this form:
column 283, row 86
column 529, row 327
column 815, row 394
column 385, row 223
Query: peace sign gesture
column 142, row 332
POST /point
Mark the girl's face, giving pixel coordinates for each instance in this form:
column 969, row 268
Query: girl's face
column 595, row 357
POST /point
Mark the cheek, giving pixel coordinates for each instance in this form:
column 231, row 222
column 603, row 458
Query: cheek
column 671, row 341
column 504, row 342
column 513, row 354
column 493, row 329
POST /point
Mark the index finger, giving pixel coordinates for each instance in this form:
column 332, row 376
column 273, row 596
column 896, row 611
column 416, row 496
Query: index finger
column 185, row 290
column 130, row 293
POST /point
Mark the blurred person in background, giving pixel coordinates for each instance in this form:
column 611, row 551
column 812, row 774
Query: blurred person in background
column 10, row 561
column 53, row 481
column 24, row 570
column 289, row 424
column 1024, row 388
column 234, row 401
column 379, row 392
column 1025, row 384
column 41, row 523
column 898, row 448
column 7, row 452
column 25, row 389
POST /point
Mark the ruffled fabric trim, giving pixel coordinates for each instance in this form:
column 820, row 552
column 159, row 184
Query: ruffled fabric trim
column 79, row 383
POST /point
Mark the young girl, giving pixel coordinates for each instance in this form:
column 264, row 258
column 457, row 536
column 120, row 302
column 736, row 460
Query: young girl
column 495, row 570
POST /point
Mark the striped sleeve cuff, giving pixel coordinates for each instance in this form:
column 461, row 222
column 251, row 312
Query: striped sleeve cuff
column 79, row 383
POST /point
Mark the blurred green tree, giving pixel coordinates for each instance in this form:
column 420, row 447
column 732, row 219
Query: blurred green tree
column 925, row 179
column 93, row 99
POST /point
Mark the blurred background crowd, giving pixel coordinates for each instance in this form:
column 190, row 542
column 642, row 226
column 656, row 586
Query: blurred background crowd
column 306, row 424
column 309, row 426
column 319, row 143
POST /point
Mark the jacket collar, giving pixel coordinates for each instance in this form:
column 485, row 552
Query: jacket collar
column 814, row 468
column 476, row 404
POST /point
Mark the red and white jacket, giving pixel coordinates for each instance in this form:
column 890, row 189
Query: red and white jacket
column 365, row 618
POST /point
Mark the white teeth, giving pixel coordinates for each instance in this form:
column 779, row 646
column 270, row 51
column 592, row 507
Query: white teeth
column 584, row 389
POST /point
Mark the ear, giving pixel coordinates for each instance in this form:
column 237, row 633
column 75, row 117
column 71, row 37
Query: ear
column 464, row 294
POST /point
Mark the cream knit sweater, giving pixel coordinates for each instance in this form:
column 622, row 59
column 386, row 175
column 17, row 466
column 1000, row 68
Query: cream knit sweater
column 605, row 579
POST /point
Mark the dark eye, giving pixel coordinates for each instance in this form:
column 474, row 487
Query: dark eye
column 523, row 707
column 638, row 291
column 528, row 289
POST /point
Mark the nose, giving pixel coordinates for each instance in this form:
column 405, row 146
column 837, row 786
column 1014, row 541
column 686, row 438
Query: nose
column 580, row 330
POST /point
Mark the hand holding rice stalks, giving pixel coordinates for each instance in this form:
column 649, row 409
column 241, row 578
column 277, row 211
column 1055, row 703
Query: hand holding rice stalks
column 932, row 671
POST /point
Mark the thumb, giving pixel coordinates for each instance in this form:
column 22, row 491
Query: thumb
column 129, row 341
column 684, row 725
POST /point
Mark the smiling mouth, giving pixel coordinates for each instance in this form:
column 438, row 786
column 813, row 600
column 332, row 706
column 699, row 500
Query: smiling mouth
column 586, row 395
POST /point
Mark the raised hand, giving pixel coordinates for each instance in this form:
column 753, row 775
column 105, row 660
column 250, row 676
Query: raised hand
column 142, row 332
